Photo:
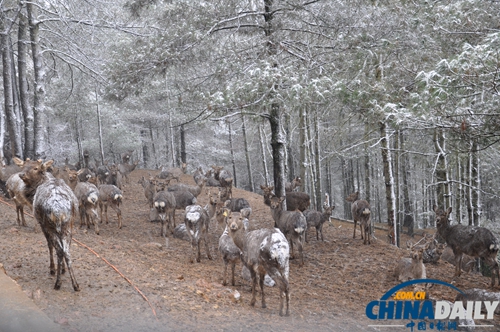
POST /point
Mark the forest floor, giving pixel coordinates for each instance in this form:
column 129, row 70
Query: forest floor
column 329, row 293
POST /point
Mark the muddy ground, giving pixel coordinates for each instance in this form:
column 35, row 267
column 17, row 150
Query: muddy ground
column 329, row 293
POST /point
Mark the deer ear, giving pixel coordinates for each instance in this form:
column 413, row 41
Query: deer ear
column 47, row 164
column 18, row 161
column 449, row 210
column 435, row 208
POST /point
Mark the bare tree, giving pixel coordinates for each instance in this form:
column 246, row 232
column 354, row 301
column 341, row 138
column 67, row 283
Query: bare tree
column 39, row 127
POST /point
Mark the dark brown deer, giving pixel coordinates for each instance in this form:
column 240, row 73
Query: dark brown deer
column 88, row 198
column 126, row 169
column 294, row 200
column 110, row 195
column 296, row 182
column 292, row 224
column 316, row 219
column 361, row 213
column 474, row 241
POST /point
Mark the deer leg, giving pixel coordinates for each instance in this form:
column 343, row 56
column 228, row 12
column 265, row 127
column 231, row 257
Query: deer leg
column 301, row 254
column 198, row 253
column 354, row 234
column 94, row 221
column 292, row 255
column 458, row 265
column 206, row 246
column 118, row 214
column 254, row 286
column 261, row 283
column 106, row 213
column 59, row 267
column 233, row 266
column 225, row 273
column 67, row 258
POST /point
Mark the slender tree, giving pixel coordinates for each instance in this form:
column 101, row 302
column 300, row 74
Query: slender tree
column 39, row 85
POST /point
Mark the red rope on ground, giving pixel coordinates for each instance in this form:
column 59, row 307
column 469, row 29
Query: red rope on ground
column 121, row 274
column 105, row 260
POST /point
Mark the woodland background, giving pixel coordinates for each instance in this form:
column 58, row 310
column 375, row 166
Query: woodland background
column 396, row 99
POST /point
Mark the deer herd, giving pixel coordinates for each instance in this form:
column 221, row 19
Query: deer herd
column 58, row 195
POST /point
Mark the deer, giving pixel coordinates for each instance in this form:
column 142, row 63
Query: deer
column 110, row 195
column 294, row 200
column 172, row 172
column 295, row 183
column 411, row 268
column 197, row 221
column 316, row 219
column 474, row 241
column 164, row 203
column 55, row 207
column 291, row 223
column 361, row 213
column 263, row 251
column 16, row 188
column 149, row 189
column 126, row 169
column 87, row 195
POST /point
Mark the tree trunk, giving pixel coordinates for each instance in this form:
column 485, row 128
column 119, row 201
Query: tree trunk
column 396, row 173
column 39, row 89
column 408, row 220
column 99, row 126
column 231, row 149
column 183, row 145
column 8, row 90
column 289, row 167
column 172, row 139
column 367, row 178
column 442, row 187
column 145, row 149
column 278, row 147
column 27, row 111
column 247, row 154
column 476, row 184
column 317, row 163
column 264, row 161
column 278, row 138
column 78, row 139
column 310, row 160
column 302, row 146
column 389, row 180
column 153, row 147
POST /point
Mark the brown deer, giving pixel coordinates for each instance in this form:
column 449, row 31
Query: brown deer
column 474, row 241
column 411, row 268
column 361, row 213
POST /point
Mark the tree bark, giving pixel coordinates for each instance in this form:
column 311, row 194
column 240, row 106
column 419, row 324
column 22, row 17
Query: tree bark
column 231, row 149
column 302, row 146
column 476, row 183
column 27, row 111
column 408, row 219
column 278, row 138
column 263, row 150
column 8, row 90
column 247, row 154
column 389, row 180
column 317, row 163
column 183, row 145
column 99, row 127
column 442, row 187
column 39, row 127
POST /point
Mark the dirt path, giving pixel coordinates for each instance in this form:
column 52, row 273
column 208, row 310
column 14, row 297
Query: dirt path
column 329, row 293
